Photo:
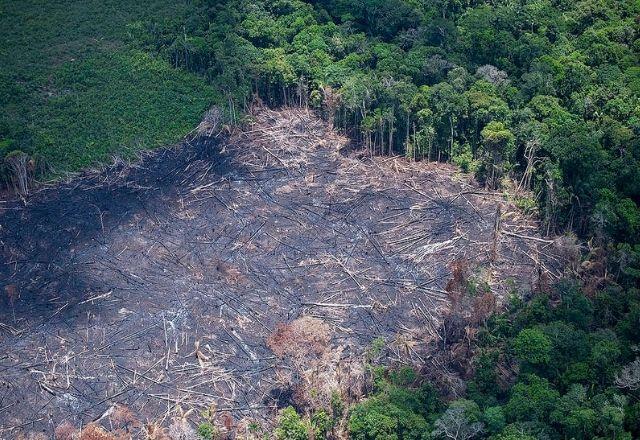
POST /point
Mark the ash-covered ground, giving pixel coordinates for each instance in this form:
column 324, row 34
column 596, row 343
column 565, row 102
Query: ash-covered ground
column 159, row 286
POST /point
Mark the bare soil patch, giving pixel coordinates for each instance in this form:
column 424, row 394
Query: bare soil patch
column 214, row 273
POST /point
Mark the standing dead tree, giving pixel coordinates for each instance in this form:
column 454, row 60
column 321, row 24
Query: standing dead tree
column 629, row 377
column 455, row 425
column 331, row 102
column 530, row 150
column 496, row 233
column 19, row 165
column 211, row 122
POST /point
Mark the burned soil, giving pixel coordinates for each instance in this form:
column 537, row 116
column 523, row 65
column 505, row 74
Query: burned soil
column 219, row 272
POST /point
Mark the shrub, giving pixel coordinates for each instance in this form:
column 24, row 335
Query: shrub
column 337, row 405
column 321, row 424
column 17, row 163
column 528, row 204
column 291, row 426
column 94, row 432
column 207, row 431
column 464, row 159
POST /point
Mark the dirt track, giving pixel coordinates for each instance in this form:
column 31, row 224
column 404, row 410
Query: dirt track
column 158, row 284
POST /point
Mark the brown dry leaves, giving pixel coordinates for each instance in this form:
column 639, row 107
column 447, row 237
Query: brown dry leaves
column 300, row 339
column 122, row 420
column 305, row 342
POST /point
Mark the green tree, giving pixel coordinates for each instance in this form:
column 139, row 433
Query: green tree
column 532, row 346
column 291, row 426
column 574, row 414
column 532, row 399
column 496, row 152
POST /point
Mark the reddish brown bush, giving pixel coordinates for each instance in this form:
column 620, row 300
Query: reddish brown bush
column 301, row 338
column 94, row 432
column 123, row 418
column 66, row 431
column 313, row 375
column 457, row 285
column 227, row 421
column 483, row 307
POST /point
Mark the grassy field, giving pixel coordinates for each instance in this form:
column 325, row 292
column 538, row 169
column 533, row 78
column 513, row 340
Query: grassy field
column 74, row 93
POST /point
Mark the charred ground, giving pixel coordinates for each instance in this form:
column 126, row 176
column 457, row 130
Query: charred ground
column 176, row 281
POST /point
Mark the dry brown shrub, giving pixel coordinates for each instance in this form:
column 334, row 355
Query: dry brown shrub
column 457, row 285
column 568, row 249
column 66, row 431
column 156, row 432
column 315, row 367
column 21, row 170
column 466, row 312
column 593, row 270
column 211, row 122
column 330, row 103
column 483, row 307
column 227, row 421
column 123, row 418
column 94, row 432
column 460, row 326
column 249, row 429
column 301, row 338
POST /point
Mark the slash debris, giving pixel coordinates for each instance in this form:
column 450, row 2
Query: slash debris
column 157, row 286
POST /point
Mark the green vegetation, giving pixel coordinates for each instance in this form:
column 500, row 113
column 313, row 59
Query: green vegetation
column 293, row 427
column 73, row 93
column 396, row 410
column 207, row 431
column 567, row 353
column 145, row 103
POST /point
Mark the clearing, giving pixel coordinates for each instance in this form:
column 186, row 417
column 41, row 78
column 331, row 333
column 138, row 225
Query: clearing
column 159, row 285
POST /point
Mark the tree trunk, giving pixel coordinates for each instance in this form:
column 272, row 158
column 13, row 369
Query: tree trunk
column 451, row 139
column 18, row 164
column 391, row 134
column 406, row 137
